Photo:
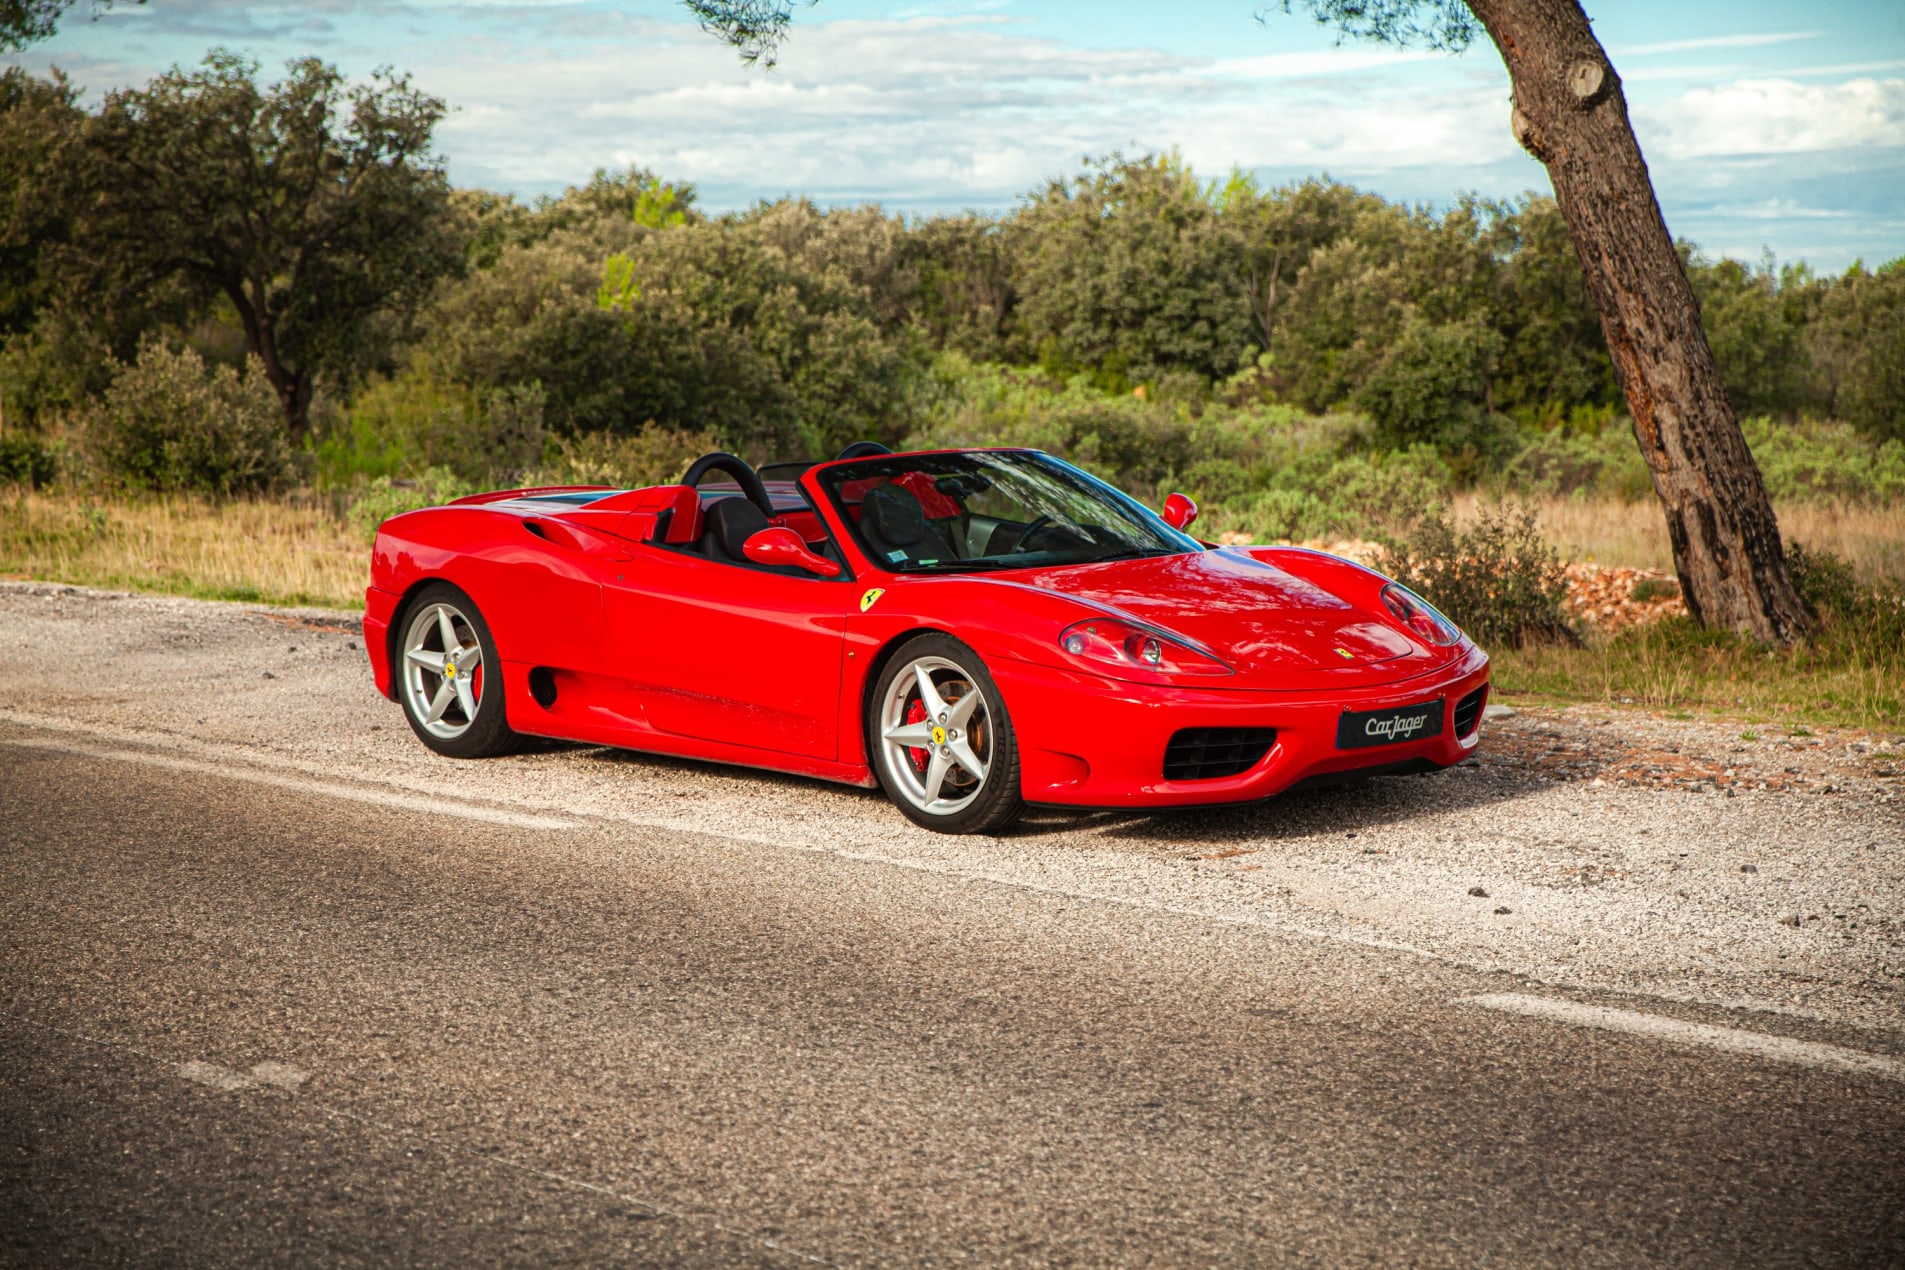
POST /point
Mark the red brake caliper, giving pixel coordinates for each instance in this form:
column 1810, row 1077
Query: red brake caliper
column 916, row 713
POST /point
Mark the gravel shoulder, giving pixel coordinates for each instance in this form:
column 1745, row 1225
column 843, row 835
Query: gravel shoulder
column 1604, row 852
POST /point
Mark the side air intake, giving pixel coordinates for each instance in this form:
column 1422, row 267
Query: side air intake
column 1468, row 711
column 1203, row 754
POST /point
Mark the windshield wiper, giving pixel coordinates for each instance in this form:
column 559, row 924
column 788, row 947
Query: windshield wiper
column 1130, row 553
column 962, row 566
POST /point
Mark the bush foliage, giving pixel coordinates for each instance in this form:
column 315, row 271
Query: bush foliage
column 1498, row 579
column 169, row 422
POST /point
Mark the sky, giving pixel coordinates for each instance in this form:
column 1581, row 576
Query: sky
column 1769, row 125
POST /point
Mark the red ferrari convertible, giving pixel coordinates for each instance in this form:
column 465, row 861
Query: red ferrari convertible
column 972, row 630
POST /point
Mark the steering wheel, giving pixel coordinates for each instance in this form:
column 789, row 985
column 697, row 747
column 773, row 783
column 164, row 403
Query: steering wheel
column 861, row 450
column 732, row 465
column 1025, row 538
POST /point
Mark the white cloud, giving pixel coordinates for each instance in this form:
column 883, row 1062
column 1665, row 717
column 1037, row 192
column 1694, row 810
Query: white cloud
column 1776, row 116
column 945, row 109
column 1319, row 62
column 1720, row 42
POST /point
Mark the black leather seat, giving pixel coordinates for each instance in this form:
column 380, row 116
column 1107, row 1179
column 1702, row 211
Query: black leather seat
column 897, row 530
column 728, row 524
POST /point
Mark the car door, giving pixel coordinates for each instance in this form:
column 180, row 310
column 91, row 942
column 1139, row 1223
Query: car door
column 733, row 653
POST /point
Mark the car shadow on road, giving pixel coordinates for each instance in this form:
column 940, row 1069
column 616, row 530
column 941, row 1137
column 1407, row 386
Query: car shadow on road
column 1351, row 808
column 1359, row 806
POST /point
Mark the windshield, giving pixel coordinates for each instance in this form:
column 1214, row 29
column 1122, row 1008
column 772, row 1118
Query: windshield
column 994, row 509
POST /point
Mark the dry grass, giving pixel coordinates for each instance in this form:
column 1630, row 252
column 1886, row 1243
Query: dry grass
column 260, row 551
column 1849, row 677
column 1635, row 534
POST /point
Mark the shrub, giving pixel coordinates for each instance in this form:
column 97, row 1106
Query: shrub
column 1606, row 462
column 168, row 422
column 653, row 456
column 25, row 460
column 1429, row 387
column 1499, row 580
column 1826, row 461
column 419, row 420
column 385, row 497
column 1647, row 590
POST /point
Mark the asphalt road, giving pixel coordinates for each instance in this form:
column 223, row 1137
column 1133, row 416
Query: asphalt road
column 458, row 1042
column 278, row 986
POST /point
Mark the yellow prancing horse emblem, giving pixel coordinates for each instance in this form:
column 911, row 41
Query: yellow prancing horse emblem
column 1345, row 654
column 939, row 735
column 873, row 593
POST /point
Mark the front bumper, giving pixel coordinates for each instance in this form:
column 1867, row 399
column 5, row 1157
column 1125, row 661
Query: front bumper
column 1088, row 741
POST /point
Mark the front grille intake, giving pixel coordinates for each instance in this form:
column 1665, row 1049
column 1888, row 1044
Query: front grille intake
column 1468, row 711
column 1204, row 754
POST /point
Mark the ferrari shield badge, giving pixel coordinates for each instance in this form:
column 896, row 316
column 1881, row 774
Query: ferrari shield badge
column 873, row 594
column 1345, row 654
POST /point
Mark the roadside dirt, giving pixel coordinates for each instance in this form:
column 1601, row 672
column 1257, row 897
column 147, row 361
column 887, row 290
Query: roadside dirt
column 1603, row 850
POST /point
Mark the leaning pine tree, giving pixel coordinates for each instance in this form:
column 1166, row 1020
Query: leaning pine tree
column 1569, row 113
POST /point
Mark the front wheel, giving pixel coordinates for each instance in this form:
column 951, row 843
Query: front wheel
column 941, row 742
column 449, row 677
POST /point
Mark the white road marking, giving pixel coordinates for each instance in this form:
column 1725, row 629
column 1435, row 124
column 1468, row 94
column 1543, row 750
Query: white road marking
column 1780, row 1049
column 352, row 793
column 220, row 1078
column 282, row 1075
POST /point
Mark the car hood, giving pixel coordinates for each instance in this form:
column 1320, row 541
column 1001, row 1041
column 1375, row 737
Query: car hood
column 1274, row 627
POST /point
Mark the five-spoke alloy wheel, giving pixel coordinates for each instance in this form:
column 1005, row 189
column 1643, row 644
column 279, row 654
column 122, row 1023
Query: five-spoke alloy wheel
column 941, row 741
column 449, row 678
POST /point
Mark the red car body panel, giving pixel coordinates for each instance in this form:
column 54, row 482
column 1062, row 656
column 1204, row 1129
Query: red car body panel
column 653, row 647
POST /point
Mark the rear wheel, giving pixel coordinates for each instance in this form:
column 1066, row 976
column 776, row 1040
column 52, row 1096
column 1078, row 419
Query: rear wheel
column 941, row 742
column 449, row 677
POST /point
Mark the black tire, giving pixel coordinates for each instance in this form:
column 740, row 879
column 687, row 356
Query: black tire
column 997, row 801
column 487, row 734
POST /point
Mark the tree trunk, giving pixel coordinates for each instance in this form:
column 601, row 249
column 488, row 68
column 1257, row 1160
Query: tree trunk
column 1570, row 114
column 294, row 388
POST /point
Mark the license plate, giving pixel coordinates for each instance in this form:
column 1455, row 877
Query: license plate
column 1358, row 729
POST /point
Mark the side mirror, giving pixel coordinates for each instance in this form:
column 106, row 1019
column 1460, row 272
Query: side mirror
column 784, row 547
column 1179, row 511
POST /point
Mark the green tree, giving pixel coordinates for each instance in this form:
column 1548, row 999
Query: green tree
column 1858, row 340
column 39, row 128
column 1761, row 352
column 1129, row 271
column 24, row 22
column 1553, row 356
column 785, row 329
column 315, row 209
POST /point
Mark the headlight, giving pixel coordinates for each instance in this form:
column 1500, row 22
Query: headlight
column 1419, row 616
column 1109, row 643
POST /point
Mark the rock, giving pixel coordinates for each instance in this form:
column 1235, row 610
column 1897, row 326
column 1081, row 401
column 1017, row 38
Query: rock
column 269, row 675
column 1749, row 868
column 1790, row 919
column 1503, row 911
column 1498, row 712
column 1478, row 892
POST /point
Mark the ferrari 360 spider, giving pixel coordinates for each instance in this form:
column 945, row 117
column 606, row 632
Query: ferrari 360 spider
column 971, row 630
